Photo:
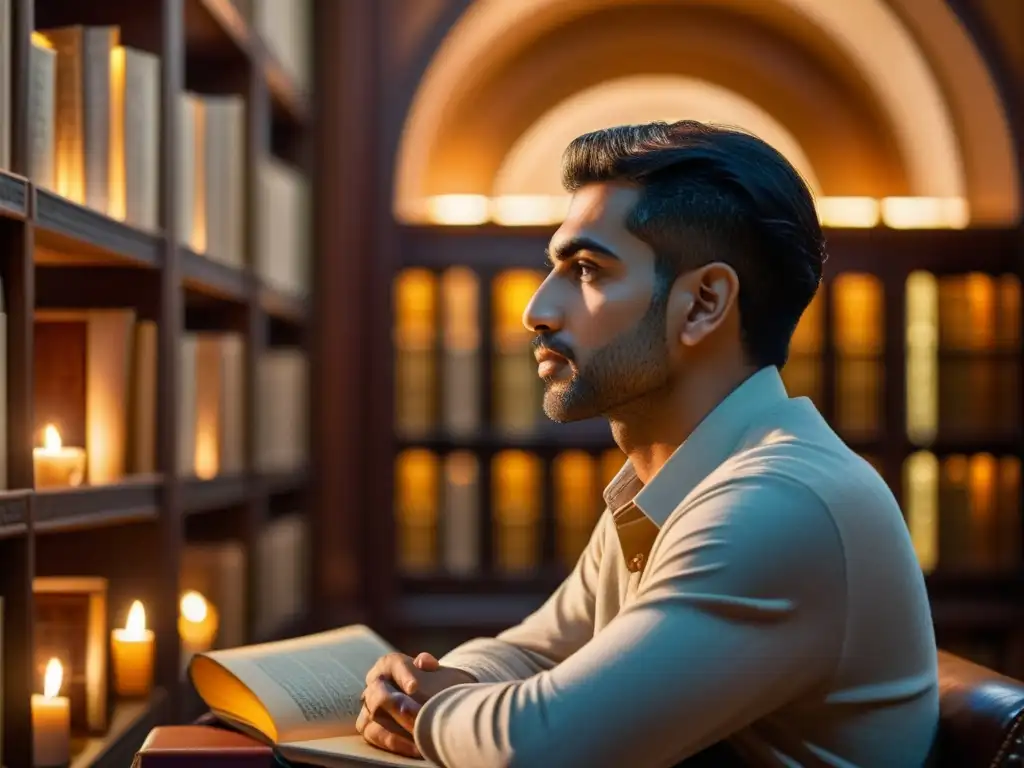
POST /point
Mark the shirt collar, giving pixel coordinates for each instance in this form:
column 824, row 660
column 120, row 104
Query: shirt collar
column 711, row 443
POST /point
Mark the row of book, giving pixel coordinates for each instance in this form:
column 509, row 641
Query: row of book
column 963, row 512
column 286, row 26
column 212, row 415
column 95, row 139
column 963, row 346
column 95, row 382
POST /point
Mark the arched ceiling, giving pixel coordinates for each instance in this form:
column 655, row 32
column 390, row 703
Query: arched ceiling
column 531, row 167
column 848, row 81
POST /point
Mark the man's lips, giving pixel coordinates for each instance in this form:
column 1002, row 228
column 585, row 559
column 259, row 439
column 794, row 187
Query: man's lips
column 549, row 362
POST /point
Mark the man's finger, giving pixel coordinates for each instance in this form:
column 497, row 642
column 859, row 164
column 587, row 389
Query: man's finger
column 362, row 719
column 381, row 737
column 397, row 667
column 382, row 698
column 426, row 662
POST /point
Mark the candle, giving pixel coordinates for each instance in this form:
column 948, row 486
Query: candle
column 132, row 653
column 197, row 624
column 55, row 465
column 51, row 721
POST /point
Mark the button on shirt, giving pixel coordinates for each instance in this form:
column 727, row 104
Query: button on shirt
column 761, row 588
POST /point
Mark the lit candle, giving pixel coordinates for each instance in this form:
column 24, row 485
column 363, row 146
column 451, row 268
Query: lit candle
column 51, row 721
column 132, row 652
column 197, row 624
column 55, row 465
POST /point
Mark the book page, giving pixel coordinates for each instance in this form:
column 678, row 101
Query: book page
column 345, row 752
column 309, row 686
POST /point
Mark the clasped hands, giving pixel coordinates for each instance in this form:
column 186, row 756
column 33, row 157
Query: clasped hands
column 396, row 688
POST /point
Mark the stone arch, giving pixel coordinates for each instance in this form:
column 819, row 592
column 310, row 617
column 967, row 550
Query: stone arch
column 531, row 165
column 930, row 100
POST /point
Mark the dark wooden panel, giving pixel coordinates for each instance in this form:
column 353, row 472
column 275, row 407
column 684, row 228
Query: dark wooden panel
column 850, row 250
column 59, row 373
column 77, row 509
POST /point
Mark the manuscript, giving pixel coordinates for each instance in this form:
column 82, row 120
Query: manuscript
column 300, row 695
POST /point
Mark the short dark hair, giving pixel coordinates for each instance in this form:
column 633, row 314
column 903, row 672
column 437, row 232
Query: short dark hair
column 710, row 193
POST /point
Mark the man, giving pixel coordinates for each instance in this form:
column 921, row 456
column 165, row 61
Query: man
column 752, row 579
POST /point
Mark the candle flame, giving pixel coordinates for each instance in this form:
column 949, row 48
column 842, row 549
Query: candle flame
column 193, row 606
column 51, row 438
column 52, row 678
column 135, row 627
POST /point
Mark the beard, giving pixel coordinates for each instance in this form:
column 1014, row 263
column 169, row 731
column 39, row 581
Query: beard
column 630, row 367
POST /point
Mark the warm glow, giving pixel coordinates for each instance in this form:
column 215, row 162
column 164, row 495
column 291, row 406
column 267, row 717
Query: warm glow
column 51, row 439
column 416, row 509
column 922, row 360
column 135, row 627
column 921, row 487
column 925, row 212
column 193, row 606
column 835, row 212
column 458, row 210
column 41, row 41
column 513, row 290
column 529, row 210
column 52, row 678
column 117, row 202
column 859, row 212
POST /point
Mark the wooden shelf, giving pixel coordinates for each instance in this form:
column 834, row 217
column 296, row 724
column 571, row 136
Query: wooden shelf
column 217, row 493
column 490, row 247
column 66, row 231
column 129, row 725
column 589, row 435
column 14, row 195
column 478, row 612
column 13, row 513
column 283, row 307
column 288, row 100
column 71, row 509
column 280, row 483
column 212, row 278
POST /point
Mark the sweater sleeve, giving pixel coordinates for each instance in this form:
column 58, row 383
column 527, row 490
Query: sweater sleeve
column 740, row 610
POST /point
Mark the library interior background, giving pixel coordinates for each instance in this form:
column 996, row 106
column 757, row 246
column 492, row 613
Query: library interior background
column 264, row 264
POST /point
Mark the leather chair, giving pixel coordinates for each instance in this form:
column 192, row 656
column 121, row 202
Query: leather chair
column 981, row 717
column 981, row 722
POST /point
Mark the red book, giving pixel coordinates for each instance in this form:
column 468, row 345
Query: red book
column 195, row 746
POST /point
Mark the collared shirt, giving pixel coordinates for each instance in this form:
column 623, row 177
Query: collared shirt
column 762, row 587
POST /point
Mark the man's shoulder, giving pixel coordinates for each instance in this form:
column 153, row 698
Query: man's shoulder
column 795, row 445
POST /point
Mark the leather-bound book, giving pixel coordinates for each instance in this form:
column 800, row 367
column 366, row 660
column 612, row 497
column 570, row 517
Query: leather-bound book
column 195, row 746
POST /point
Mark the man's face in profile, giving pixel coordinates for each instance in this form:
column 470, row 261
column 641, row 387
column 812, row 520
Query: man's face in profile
column 601, row 341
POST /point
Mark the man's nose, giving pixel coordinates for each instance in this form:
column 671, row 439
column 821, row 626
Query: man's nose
column 542, row 313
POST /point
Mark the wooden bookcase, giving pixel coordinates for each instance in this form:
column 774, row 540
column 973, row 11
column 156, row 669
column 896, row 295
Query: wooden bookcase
column 974, row 605
column 133, row 533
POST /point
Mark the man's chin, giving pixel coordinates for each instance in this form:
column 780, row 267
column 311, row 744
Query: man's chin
column 562, row 413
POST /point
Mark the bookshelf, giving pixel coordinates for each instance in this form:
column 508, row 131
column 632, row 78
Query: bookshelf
column 175, row 469
column 912, row 351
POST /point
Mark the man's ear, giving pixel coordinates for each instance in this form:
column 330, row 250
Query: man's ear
column 701, row 301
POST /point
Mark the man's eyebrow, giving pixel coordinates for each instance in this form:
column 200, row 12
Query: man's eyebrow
column 569, row 248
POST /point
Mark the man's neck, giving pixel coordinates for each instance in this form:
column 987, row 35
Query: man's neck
column 650, row 430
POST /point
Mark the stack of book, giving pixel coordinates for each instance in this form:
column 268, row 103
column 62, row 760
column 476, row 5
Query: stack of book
column 282, row 243
column 211, row 185
column 283, row 422
column 94, row 113
column 211, row 429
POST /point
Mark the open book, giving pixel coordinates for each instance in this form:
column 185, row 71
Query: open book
column 300, row 695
